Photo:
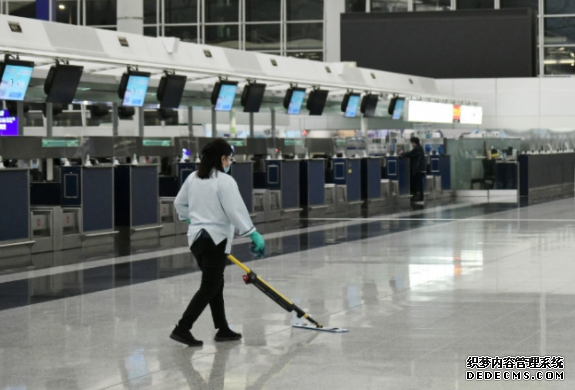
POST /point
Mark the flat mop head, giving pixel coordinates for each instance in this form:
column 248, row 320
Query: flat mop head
column 322, row 329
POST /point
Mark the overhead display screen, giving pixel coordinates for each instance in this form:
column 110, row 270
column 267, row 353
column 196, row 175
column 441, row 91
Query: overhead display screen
column 136, row 89
column 170, row 90
column 352, row 106
column 62, row 82
column 398, row 109
column 15, row 80
column 223, row 96
column 8, row 124
column 429, row 112
column 296, row 101
column 471, row 115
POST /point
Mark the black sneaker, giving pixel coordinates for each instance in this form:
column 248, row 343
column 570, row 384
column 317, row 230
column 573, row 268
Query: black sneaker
column 184, row 336
column 226, row 334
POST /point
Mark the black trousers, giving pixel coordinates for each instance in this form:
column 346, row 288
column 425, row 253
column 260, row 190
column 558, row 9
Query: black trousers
column 212, row 261
column 417, row 185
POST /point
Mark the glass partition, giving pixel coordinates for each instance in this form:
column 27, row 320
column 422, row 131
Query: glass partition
column 469, row 156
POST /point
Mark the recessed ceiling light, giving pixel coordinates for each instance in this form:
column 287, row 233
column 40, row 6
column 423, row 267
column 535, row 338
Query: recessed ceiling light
column 62, row 6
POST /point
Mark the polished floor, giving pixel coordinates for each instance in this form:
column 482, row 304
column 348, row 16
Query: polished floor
column 421, row 292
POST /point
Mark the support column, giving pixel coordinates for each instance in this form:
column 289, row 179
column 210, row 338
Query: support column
column 364, row 127
column 232, row 123
column 251, row 125
column 140, row 113
column 332, row 36
column 131, row 16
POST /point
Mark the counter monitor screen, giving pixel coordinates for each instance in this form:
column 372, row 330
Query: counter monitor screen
column 350, row 104
column 398, row 110
column 293, row 100
column 8, row 124
column 252, row 97
column 62, row 82
column 170, row 90
column 223, row 95
column 133, row 88
column 15, row 79
column 369, row 104
column 316, row 101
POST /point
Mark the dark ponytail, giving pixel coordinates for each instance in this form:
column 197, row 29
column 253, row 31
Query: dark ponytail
column 211, row 157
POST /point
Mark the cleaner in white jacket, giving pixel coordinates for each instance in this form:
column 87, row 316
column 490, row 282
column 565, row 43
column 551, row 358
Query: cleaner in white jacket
column 211, row 203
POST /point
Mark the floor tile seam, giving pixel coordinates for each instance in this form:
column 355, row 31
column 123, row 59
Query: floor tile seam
column 163, row 368
column 469, row 332
column 457, row 340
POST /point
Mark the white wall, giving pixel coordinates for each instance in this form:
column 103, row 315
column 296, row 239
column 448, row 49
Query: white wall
column 519, row 103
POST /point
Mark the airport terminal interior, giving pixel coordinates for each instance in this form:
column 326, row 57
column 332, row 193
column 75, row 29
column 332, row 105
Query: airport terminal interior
column 418, row 229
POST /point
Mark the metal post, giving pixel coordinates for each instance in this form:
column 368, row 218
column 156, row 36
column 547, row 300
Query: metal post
column 367, row 6
column 20, row 115
column 49, row 119
column 115, row 119
column 214, row 123
column 273, row 111
column 190, row 122
column 251, row 125
column 140, row 114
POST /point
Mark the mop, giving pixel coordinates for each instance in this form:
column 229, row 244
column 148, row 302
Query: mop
column 252, row 278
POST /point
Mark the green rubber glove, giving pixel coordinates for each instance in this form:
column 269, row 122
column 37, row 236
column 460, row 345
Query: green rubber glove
column 258, row 241
column 188, row 221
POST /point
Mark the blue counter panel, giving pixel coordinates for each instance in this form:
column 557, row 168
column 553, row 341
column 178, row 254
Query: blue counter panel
column 98, row 199
column 14, row 199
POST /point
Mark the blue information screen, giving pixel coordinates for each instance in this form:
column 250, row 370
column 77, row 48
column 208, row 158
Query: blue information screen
column 8, row 124
column 226, row 97
column 352, row 105
column 15, row 82
column 295, row 103
column 398, row 110
column 136, row 91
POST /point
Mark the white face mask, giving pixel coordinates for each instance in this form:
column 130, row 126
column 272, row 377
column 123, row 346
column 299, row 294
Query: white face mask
column 227, row 169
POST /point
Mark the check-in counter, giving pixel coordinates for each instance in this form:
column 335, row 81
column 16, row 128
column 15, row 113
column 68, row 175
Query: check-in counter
column 371, row 183
column 312, row 187
column 136, row 200
column 77, row 211
column 243, row 173
column 398, row 172
column 347, row 185
column 506, row 175
column 15, row 212
column 168, row 189
column 438, row 181
column 546, row 176
column 290, row 189
column 267, row 192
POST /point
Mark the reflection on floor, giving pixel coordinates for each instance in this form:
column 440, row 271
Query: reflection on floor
column 420, row 290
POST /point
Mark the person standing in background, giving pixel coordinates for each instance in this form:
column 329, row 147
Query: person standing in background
column 210, row 202
column 418, row 169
